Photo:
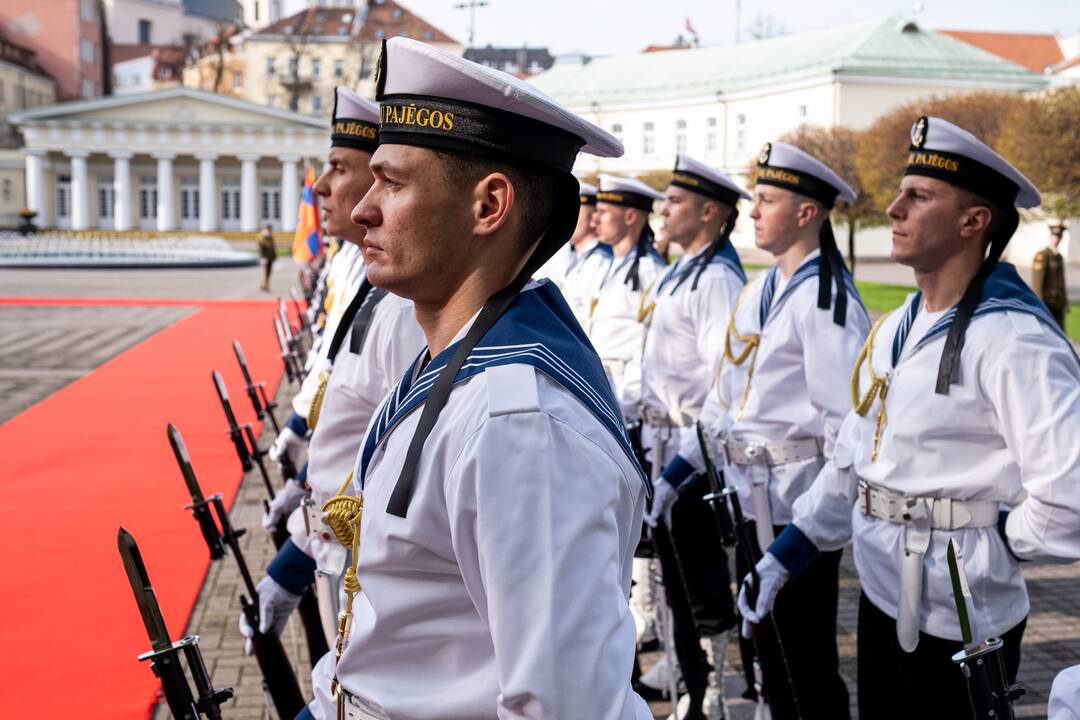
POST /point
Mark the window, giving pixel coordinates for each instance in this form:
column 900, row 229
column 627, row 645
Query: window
column 680, row 124
column 225, row 195
column 6, row 192
column 63, row 196
column 428, row 35
column 740, row 133
column 144, row 31
column 165, row 73
column 710, row 134
column 316, row 104
column 237, row 80
column 396, row 13
column 106, row 197
column 292, row 66
column 86, row 10
column 86, row 51
column 802, row 112
column 88, row 88
column 616, row 128
column 648, row 143
column 255, row 11
column 316, row 66
column 1, row 91
column 680, row 143
column 648, row 127
column 271, row 68
column 339, row 68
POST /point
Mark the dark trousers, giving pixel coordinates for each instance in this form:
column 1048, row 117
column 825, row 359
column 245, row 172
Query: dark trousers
column 922, row 684
column 688, row 652
column 702, row 561
column 805, row 617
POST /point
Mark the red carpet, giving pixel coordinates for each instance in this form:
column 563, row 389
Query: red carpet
column 94, row 456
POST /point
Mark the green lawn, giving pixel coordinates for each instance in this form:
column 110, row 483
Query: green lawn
column 1072, row 323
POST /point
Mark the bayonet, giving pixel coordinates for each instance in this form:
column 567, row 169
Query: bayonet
column 200, row 508
column 287, row 358
column 304, row 324
column 165, row 655
column 256, row 391
column 294, row 343
column 961, row 591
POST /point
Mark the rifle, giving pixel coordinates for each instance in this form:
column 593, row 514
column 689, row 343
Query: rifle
column 250, row 453
column 256, row 391
column 293, row 370
column 294, row 343
column 305, row 326
column 278, row 678
column 164, row 655
column 739, row 534
column 982, row 663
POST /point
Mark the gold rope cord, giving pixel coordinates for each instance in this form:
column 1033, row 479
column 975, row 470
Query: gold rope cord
column 317, row 400
column 750, row 347
column 879, row 387
column 343, row 514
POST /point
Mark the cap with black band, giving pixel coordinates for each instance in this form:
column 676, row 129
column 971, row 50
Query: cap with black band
column 631, row 193
column 439, row 101
column 355, row 122
column 946, row 152
column 786, row 166
column 587, row 193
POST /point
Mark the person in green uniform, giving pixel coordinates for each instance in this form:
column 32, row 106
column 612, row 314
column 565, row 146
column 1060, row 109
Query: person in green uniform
column 268, row 253
column 1049, row 279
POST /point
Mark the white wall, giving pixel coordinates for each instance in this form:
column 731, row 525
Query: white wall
column 133, row 76
column 165, row 16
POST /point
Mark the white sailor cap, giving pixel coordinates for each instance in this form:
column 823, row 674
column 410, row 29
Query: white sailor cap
column 789, row 167
column 587, row 193
column 355, row 122
column 434, row 99
column 944, row 151
column 700, row 178
column 627, row 191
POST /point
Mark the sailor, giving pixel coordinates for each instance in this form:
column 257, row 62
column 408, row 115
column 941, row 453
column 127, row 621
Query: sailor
column 966, row 401
column 580, row 242
column 617, row 308
column 372, row 343
column 591, row 260
column 778, row 403
column 688, row 308
column 501, row 499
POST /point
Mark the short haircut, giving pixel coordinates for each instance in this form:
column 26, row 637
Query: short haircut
column 534, row 192
column 966, row 199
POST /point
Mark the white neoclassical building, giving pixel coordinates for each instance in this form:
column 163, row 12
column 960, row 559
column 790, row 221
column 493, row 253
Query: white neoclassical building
column 175, row 159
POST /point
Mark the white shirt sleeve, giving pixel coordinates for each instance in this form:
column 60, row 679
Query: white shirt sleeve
column 536, row 510
column 1034, row 386
column 823, row 513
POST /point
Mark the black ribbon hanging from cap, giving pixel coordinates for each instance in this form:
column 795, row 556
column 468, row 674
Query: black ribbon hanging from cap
column 949, row 365
column 831, row 273
column 560, row 227
column 641, row 249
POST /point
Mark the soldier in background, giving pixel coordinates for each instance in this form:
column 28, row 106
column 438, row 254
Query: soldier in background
column 1049, row 279
column 268, row 253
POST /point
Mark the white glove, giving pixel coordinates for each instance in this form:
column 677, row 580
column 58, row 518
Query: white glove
column 288, row 443
column 285, row 501
column 664, row 496
column 275, row 605
column 773, row 576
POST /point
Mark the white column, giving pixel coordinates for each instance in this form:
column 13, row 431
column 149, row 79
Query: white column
column 35, row 187
column 248, row 200
column 290, row 198
column 166, row 204
column 122, row 189
column 80, row 190
column 208, row 220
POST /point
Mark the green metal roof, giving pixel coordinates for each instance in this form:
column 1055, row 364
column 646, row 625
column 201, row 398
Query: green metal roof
column 890, row 48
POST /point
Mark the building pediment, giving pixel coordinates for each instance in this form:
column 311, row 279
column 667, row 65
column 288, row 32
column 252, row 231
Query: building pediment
column 173, row 107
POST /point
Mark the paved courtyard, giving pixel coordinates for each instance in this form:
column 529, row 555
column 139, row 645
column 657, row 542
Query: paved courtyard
column 44, row 348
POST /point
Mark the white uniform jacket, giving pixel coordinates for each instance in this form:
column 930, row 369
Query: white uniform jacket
column 356, row 387
column 555, row 268
column 347, row 276
column 800, row 389
column 583, row 276
column 503, row 591
column 685, row 340
column 1006, row 432
column 616, row 325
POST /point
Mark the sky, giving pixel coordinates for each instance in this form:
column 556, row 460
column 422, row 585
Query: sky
column 602, row 27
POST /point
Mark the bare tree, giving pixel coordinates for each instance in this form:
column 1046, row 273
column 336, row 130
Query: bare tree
column 766, row 26
column 297, row 38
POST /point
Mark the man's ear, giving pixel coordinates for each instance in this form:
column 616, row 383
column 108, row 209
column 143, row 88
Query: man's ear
column 806, row 212
column 975, row 220
column 493, row 198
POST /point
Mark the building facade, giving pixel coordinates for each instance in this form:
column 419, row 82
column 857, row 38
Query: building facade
column 297, row 62
column 168, row 22
column 521, row 62
column 722, row 104
column 68, row 39
column 177, row 159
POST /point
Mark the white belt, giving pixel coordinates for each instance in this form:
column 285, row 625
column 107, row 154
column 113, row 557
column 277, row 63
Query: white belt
column 771, row 453
column 760, row 456
column 658, row 418
column 919, row 516
column 351, row 707
column 944, row 513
